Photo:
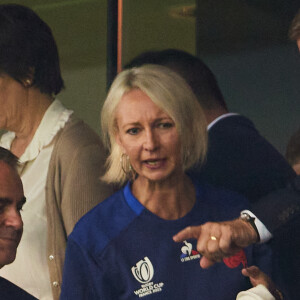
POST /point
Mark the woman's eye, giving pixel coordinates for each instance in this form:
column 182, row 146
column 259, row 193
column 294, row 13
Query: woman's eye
column 133, row 131
column 165, row 125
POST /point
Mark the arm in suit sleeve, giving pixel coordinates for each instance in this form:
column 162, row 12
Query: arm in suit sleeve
column 280, row 210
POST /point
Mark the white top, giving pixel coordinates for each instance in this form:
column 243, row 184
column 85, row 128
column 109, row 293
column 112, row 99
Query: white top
column 30, row 269
column 260, row 292
column 264, row 233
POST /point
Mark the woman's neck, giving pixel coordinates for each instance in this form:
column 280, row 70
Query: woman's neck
column 29, row 120
column 169, row 200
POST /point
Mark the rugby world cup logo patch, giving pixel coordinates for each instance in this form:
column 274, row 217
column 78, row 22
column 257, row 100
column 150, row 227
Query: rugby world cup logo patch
column 143, row 270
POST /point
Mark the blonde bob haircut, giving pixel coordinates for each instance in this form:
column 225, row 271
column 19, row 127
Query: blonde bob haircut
column 169, row 92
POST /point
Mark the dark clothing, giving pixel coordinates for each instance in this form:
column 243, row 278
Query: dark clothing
column 280, row 212
column 241, row 160
column 120, row 250
column 284, row 205
column 9, row 291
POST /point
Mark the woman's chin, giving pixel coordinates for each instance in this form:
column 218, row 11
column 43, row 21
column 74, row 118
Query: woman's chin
column 158, row 176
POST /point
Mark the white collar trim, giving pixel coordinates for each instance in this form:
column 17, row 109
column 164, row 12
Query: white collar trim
column 54, row 119
column 211, row 124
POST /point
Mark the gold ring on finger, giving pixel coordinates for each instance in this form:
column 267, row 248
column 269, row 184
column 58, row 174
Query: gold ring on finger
column 213, row 238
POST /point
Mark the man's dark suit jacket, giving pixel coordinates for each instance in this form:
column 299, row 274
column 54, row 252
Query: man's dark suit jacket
column 9, row 291
column 241, row 160
column 280, row 210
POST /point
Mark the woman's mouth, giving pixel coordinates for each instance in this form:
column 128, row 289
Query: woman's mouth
column 154, row 163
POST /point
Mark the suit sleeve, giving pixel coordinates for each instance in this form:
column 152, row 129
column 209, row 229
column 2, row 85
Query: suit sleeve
column 280, row 210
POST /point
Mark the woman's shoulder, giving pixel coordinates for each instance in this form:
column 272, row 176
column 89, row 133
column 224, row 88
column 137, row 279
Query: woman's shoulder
column 78, row 139
column 77, row 132
column 104, row 222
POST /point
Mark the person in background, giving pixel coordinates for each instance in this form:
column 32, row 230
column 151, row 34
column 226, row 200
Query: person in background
column 11, row 225
column 263, row 287
column 294, row 31
column 238, row 158
column 293, row 151
column 293, row 148
column 279, row 211
column 123, row 249
column 61, row 158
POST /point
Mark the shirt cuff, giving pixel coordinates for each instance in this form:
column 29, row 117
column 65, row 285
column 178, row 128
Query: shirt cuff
column 264, row 234
column 258, row 292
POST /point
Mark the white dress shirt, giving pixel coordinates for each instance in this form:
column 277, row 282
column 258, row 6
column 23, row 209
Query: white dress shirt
column 30, row 269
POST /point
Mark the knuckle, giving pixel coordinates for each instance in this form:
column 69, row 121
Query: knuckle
column 189, row 229
column 200, row 248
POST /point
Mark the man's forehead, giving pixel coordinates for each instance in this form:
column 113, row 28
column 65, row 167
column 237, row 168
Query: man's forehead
column 10, row 182
column 6, row 171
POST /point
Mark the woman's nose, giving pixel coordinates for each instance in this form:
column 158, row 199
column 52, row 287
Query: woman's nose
column 151, row 141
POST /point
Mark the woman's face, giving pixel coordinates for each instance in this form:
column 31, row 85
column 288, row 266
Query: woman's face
column 12, row 99
column 148, row 136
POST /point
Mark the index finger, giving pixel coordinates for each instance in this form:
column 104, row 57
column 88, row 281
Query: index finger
column 191, row 232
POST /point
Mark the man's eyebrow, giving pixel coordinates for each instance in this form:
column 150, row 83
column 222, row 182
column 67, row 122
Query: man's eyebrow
column 5, row 200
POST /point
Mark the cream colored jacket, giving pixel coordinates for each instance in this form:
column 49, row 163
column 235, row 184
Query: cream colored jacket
column 73, row 187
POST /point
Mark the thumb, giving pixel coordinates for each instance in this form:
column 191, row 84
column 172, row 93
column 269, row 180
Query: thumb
column 206, row 263
column 252, row 271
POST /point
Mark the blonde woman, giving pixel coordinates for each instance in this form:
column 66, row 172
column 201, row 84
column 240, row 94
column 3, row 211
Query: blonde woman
column 123, row 249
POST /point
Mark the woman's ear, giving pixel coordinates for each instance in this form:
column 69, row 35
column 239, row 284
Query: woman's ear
column 119, row 142
column 118, row 139
column 28, row 81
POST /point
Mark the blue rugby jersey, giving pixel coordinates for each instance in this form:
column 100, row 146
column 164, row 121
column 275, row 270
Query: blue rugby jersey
column 120, row 250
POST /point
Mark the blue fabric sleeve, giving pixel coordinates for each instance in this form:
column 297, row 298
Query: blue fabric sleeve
column 83, row 278
column 76, row 276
